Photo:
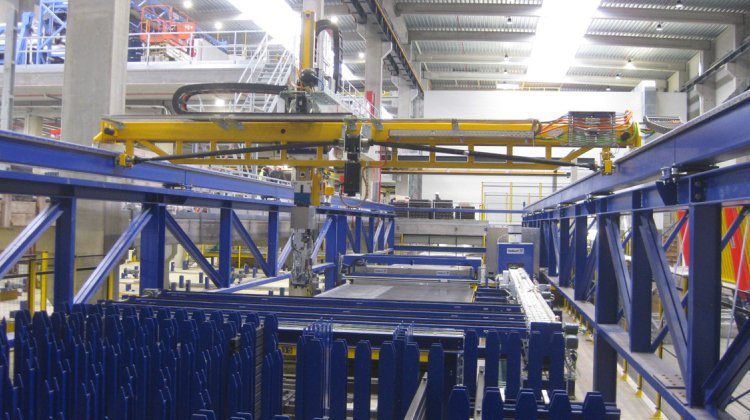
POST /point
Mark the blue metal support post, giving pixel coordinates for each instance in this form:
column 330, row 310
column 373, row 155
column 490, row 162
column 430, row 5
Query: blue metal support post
column 273, row 242
column 581, row 250
column 606, row 312
column 358, row 226
column 640, row 312
column 704, row 298
column 225, row 246
column 552, row 237
column 65, row 254
column 381, row 233
column 565, row 250
column 391, row 239
column 332, row 252
column 371, row 235
column 153, row 245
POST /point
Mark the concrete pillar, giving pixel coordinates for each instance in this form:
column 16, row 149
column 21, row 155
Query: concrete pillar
column 405, row 96
column 706, row 90
column 95, row 66
column 33, row 125
column 375, row 51
column 9, row 9
column 95, row 77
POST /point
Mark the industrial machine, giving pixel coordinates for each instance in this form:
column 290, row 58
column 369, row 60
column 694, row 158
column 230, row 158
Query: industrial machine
column 515, row 255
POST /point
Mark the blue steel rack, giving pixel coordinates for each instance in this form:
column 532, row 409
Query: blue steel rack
column 676, row 172
column 177, row 185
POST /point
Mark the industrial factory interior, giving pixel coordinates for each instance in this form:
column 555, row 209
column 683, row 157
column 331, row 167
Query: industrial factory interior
column 374, row 209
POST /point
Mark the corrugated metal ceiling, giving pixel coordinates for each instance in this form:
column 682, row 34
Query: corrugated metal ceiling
column 717, row 6
column 469, row 23
column 678, row 30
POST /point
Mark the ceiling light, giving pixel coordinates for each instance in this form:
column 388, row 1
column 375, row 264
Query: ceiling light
column 220, row 102
column 505, row 71
column 334, row 19
column 507, row 58
column 629, row 64
column 659, row 27
column 187, row 4
column 559, row 32
column 507, row 86
column 509, row 20
column 679, row 5
column 608, row 89
column 218, row 25
column 618, row 76
column 361, row 54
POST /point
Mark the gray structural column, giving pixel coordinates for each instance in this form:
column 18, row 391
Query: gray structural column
column 95, row 66
column 95, row 77
column 375, row 51
column 706, row 90
column 405, row 97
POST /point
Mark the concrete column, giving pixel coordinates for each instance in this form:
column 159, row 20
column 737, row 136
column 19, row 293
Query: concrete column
column 33, row 125
column 375, row 51
column 707, row 90
column 95, row 77
column 9, row 9
column 405, row 95
column 95, row 66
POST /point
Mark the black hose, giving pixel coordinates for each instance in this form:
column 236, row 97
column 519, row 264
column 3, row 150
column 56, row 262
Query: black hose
column 255, row 149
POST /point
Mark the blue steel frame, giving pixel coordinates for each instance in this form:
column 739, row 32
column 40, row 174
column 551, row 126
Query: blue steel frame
column 675, row 172
column 183, row 186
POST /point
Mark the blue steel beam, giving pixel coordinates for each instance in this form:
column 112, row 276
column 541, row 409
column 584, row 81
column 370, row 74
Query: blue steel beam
column 437, row 248
column 273, row 242
column 734, row 226
column 606, row 311
column 639, row 325
column 729, row 372
column 375, row 235
column 566, row 252
column 704, row 298
column 321, row 237
column 390, row 238
column 28, row 236
column 621, row 271
column 65, row 254
column 358, row 227
column 34, row 151
column 248, row 240
column 113, row 257
column 675, row 231
column 153, row 242
column 225, row 246
column 184, row 240
column 673, row 312
column 331, row 253
column 684, row 146
column 284, row 254
column 580, row 243
column 382, row 233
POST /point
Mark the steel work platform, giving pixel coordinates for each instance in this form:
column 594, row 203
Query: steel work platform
column 402, row 289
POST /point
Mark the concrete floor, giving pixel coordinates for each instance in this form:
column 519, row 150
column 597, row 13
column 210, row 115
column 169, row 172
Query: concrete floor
column 632, row 406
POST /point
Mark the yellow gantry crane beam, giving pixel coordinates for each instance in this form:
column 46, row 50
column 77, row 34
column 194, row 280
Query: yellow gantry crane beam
column 165, row 137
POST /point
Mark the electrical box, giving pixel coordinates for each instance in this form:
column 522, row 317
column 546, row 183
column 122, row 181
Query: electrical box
column 515, row 255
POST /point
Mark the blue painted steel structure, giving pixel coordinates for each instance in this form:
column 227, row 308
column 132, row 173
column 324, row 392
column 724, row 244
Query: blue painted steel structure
column 183, row 186
column 675, row 172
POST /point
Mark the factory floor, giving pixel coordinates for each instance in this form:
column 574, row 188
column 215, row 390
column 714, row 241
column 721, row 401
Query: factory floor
column 632, row 406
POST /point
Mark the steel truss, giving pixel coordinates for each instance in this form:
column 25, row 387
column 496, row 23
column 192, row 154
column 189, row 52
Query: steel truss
column 676, row 172
column 167, row 184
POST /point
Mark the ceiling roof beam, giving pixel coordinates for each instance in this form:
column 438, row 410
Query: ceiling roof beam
column 649, row 42
column 623, row 13
column 499, row 60
column 499, row 77
column 668, row 15
column 466, row 9
column 493, row 36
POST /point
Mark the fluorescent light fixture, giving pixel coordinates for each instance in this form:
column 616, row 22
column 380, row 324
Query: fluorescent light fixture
column 659, row 27
column 506, row 58
column 220, row 102
column 560, row 31
column 505, row 71
column 618, row 76
column 334, row 19
column 507, row 86
column 679, row 5
column 629, row 65
column 275, row 17
column 361, row 54
column 187, row 4
column 509, row 21
column 608, row 89
column 218, row 25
